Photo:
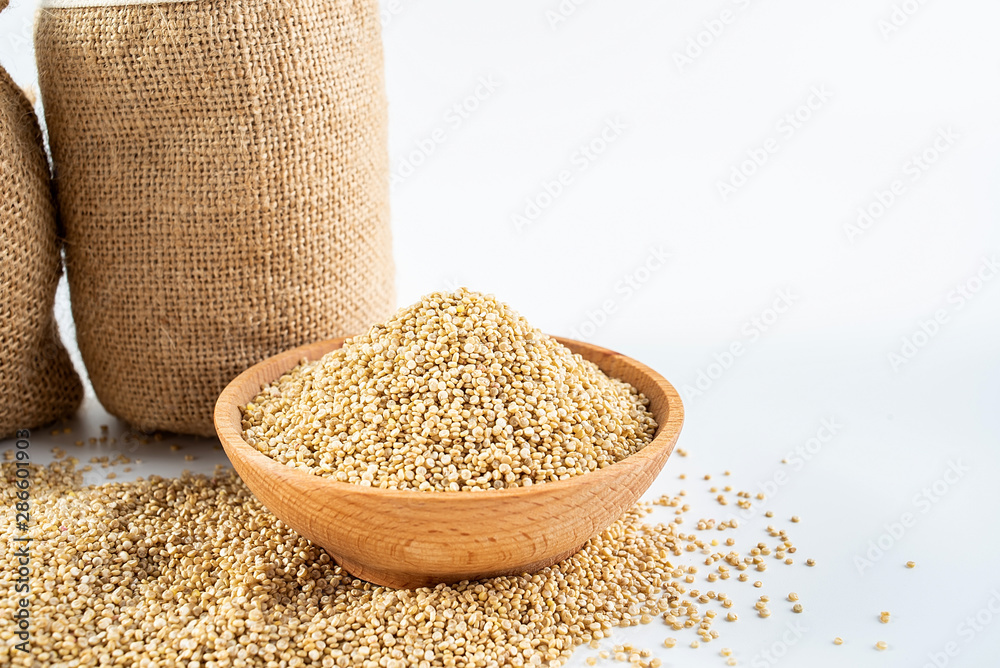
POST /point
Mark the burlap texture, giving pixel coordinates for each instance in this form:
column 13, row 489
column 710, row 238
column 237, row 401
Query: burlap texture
column 222, row 172
column 37, row 381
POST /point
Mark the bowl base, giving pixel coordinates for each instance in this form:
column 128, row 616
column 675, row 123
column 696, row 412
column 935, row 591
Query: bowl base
column 401, row 579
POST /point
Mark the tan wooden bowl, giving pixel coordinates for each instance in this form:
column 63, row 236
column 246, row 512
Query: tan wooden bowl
column 408, row 539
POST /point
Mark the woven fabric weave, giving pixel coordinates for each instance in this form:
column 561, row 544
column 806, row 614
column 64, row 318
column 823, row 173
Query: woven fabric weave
column 222, row 172
column 37, row 381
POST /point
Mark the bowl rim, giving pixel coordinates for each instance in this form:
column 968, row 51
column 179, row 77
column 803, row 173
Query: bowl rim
column 228, row 416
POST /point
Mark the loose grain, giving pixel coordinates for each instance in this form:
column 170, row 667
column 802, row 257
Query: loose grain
column 168, row 572
column 195, row 572
column 457, row 392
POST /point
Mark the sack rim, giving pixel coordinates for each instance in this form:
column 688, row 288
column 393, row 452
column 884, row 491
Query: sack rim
column 74, row 4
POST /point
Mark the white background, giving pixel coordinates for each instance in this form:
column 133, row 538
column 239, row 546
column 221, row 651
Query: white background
column 894, row 75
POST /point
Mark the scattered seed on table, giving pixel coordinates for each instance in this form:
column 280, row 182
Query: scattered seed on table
column 198, row 552
column 224, row 508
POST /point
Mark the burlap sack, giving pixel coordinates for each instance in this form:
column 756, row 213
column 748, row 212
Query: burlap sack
column 37, row 380
column 222, row 172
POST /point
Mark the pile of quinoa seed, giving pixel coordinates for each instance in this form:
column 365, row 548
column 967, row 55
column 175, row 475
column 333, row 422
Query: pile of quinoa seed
column 194, row 572
column 454, row 393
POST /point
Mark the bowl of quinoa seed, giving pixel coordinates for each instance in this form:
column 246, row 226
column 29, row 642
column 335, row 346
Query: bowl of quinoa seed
column 453, row 441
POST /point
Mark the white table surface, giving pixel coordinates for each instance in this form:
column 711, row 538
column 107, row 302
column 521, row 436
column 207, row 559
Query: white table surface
column 531, row 94
column 892, row 438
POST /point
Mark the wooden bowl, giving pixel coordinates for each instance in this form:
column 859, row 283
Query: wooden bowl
column 408, row 539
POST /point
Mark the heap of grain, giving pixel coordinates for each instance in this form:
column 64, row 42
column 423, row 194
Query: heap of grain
column 457, row 392
column 195, row 572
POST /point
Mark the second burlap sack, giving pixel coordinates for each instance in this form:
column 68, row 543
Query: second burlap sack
column 37, row 381
column 222, row 172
